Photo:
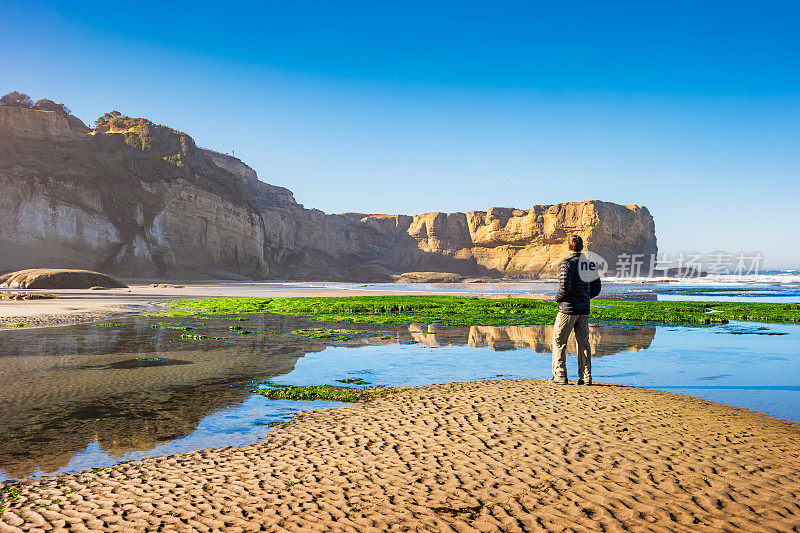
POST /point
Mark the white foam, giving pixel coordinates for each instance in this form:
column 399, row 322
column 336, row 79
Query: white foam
column 787, row 277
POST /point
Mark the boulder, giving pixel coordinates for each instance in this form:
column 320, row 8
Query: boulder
column 430, row 277
column 58, row 278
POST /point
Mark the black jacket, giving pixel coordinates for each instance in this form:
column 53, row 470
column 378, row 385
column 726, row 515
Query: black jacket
column 573, row 293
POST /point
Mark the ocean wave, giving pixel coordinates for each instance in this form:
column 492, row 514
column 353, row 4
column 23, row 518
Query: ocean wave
column 787, row 277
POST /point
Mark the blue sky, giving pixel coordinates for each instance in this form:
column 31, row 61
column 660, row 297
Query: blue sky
column 689, row 108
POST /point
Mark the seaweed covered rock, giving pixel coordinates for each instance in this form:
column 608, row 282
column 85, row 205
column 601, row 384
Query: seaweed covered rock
column 58, row 278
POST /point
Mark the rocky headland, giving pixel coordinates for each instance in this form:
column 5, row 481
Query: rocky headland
column 137, row 199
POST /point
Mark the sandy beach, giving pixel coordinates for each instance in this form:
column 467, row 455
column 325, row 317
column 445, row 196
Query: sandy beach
column 513, row 455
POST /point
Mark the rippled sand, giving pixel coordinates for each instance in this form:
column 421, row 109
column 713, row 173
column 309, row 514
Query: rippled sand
column 489, row 456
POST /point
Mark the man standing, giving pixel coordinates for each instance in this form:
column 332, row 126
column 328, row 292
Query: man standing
column 579, row 281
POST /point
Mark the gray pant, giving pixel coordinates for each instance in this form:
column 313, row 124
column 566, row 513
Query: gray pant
column 563, row 327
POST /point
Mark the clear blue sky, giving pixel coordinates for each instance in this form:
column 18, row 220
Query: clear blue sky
column 690, row 108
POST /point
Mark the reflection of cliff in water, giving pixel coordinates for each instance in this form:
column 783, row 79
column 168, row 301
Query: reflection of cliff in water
column 62, row 388
column 134, row 387
column 604, row 340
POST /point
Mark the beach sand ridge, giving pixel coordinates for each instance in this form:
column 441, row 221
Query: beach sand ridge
column 510, row 455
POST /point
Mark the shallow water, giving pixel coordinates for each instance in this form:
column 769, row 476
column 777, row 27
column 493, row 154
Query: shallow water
column 88, row 396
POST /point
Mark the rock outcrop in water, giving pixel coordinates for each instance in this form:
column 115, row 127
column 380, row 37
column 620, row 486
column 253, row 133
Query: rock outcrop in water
column 137, row 199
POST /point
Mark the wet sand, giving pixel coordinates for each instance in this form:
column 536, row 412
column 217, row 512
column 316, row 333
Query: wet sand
column 67, row 310
column 514, row 455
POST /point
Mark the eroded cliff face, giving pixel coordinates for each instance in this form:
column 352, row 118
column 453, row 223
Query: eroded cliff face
column 30, row 123
column 499, row 242
column 141, row 200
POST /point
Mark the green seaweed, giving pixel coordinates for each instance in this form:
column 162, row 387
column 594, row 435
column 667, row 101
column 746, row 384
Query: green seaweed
column 218, row 306
column 320, row 392
column 178, row 326
column 326, row 333
column 353, row 381
column 17, row 325
column 469, row 311
column 110, row 325
column 193, row 336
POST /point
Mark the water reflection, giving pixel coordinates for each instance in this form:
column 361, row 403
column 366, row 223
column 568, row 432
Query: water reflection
column 133, row 388
column 129, row 388
column 604, row 340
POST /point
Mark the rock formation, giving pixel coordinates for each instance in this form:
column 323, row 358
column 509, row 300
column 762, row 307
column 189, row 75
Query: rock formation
column 137, row 199
column 58, row 278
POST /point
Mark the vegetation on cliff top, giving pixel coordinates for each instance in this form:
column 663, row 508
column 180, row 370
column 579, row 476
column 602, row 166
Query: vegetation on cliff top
column 18, row 99
column 175, row 147
column 467, row 311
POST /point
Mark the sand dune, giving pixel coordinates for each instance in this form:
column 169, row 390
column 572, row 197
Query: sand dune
column 485, row 456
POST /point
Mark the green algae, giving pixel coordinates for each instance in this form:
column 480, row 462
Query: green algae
column 320, row 392
column 220, row 306
column 469, row 311
column 326, row 333
column 353, row 381
column 174, row 325
column 17, row 325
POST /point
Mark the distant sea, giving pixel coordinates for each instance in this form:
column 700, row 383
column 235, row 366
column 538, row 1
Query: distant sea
column 776, row 286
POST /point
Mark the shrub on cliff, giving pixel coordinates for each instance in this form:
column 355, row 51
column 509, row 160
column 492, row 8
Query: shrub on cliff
column 106, row 118
column 17, row 99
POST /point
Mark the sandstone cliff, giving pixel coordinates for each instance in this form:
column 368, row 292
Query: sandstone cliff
column 136, row 199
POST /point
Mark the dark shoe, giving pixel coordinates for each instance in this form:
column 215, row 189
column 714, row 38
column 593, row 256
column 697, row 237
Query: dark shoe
column 587, row 382
column 558, row 381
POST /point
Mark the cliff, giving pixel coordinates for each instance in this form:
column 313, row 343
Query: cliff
column 24, row 122
column 137, row 199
